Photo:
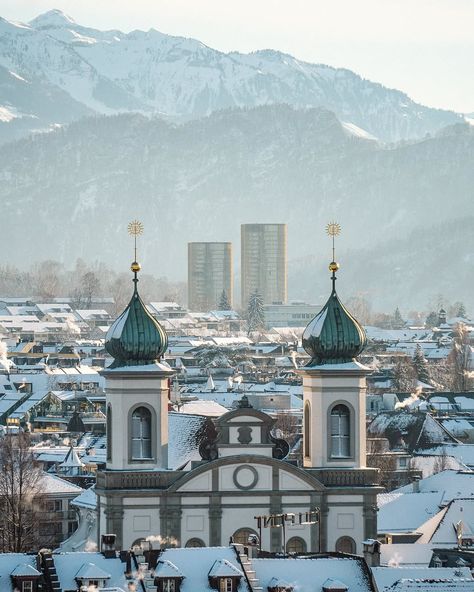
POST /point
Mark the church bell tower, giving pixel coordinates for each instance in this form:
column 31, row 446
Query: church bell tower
column 334, row 385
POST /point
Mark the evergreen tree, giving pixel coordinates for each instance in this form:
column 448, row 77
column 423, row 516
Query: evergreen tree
column 431, row 320
column 421, row 365
column 397, row 321
column 224, row 303
column 460, row 310
column 255, row 314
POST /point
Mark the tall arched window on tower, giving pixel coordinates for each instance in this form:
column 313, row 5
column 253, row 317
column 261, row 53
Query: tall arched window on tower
column 307, row 428
column 141, row 434
column 340, row 432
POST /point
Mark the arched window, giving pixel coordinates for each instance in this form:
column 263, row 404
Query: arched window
column 340, row 432
column 296, row 545
column 346, row 544
column 141, row 434
column 109, row 432
column 307, row 428
column 241, row 536
column 195, row 543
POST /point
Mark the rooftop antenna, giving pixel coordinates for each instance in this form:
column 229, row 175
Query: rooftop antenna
column 333, row 229
column 135, row 228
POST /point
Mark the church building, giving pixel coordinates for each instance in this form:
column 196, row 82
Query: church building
column 242, row 473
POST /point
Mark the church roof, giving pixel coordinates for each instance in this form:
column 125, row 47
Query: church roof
column 334, row 336
column 135, row 338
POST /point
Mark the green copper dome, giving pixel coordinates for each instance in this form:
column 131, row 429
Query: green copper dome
column 135, row 338
column 334, row 336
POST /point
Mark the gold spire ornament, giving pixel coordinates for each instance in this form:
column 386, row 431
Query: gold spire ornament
column 333, row 229
column 135, row 228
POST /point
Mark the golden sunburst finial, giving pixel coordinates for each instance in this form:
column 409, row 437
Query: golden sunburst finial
column 333, row 229
column 135, row 228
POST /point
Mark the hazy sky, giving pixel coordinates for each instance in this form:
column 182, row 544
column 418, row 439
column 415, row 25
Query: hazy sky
column 423, row 47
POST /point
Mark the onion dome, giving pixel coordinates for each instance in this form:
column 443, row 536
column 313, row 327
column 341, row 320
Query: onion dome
column 334, row 336
column 135, row 338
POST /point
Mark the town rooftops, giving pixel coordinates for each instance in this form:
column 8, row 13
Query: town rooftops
column 389, row 579
column 315, row 574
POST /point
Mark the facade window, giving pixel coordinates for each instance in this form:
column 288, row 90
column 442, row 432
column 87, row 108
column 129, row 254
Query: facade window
column 340, row 432
column 169, row 585
column 141, row 434
column 346, row 544
column 194, row 542
column 109, row 432
column 296, row 545
column 307, row 429
column 225, row 585
column 27, row 586
column 241, row 536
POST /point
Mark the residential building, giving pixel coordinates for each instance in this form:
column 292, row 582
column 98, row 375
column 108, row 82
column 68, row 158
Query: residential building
column 264, row 266
column 209, row 275
column 295, row 314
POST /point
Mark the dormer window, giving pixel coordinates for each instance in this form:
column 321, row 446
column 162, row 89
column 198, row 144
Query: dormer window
column 25, row 578
column 224, row 576
column 168, row 577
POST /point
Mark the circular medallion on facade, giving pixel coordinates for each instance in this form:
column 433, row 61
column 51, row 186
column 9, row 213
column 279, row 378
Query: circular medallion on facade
column 245, row 477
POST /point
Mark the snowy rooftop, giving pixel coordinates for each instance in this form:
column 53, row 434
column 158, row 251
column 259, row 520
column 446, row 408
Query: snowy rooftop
column 386, row 578
column 10, row 562
column 408, row 512
column 406, row 554
column 69, row 564
column 450, row 484
column 86, row 499
column 196, row 563
column 309, row 575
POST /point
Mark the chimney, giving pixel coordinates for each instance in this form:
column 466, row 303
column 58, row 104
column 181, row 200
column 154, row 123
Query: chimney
column 107, row 546
column 372, row 552
column 416, row 485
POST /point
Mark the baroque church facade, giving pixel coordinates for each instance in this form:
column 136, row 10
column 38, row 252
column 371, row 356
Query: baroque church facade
column 243, row 472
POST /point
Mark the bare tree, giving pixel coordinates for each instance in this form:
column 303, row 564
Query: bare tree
column 380, row 457
column 441, row 462
column 404, row 375
column 20, row 497
column 459, row 360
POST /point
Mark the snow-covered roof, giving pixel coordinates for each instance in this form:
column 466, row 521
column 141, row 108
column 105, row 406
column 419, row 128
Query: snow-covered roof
column 11, row 561
column 406, row 554
column 167, row 569
column 72, row 460
column 51, row 484
column 25, row 569
column 224, row 568
column 386, row 578
column 451, row 484
column 196, row 563
column 309, row 575
column 86, row 499
column 183, row 430
column 407, row 512
column 202, row 407
column 68, row 565
column 444, row 533
column 90, row 571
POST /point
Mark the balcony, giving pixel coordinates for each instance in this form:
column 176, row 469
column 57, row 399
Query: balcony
column 347, row 477
column 136, row 479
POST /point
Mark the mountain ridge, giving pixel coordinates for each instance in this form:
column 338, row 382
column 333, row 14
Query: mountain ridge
column 181, row 78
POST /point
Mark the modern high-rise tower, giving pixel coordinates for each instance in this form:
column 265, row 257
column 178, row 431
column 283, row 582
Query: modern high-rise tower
column 209, row 275
column 264, row 262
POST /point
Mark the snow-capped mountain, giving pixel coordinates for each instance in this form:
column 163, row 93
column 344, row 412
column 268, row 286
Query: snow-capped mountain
column 109, row 72
column 76, row 188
